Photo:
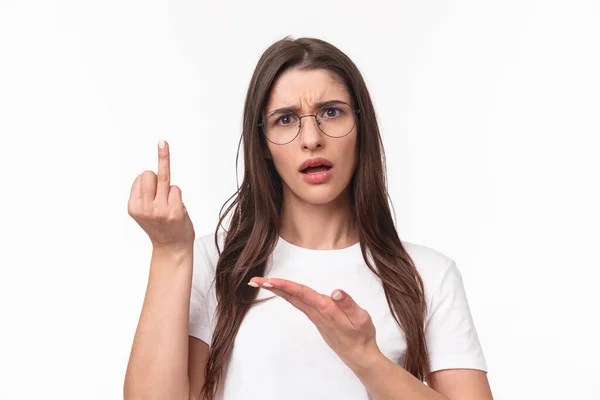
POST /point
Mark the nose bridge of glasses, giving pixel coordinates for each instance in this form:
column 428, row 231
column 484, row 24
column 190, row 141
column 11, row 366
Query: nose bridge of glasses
column 317, row 122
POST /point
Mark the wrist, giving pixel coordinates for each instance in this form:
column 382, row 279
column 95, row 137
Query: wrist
column 176, row 253
column 372, row 360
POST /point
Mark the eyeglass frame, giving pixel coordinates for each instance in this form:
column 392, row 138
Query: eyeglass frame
column 328, row 104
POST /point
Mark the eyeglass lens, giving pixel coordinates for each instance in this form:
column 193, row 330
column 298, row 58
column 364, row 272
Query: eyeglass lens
column 335, row 120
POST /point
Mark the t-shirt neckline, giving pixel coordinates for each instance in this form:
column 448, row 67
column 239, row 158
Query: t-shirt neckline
column 290, row 247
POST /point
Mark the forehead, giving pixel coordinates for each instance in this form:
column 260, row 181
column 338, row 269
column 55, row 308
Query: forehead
column 304, row 88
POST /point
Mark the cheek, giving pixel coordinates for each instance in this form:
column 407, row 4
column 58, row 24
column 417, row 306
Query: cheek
column 349, row 155
column 282, row 160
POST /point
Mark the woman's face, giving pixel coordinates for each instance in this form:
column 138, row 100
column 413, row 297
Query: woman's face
column 301, row 90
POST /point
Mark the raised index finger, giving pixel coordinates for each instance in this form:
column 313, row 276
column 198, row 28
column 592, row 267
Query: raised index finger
column 164, row 171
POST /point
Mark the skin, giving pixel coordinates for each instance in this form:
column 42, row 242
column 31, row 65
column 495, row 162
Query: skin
column 343, row 324
column 349, row 331
column 159, row 361
column 162, row 347
column 313, row 215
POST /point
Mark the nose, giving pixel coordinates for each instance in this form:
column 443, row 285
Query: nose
column 311, row 136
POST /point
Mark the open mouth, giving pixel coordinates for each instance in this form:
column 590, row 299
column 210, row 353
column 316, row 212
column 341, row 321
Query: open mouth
column 315, row 169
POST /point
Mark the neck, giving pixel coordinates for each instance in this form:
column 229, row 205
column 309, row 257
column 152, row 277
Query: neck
column 318, row 226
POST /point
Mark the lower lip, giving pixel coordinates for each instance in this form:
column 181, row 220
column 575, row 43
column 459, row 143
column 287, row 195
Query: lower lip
column 319, row 177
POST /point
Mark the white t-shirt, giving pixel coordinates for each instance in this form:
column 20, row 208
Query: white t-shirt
column 278, row 352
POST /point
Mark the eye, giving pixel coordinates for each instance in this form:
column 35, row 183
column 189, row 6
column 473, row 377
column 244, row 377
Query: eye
column 286, row 119
column 331, row 112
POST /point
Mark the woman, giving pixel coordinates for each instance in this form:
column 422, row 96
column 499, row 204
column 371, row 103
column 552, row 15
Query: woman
column 310, row 294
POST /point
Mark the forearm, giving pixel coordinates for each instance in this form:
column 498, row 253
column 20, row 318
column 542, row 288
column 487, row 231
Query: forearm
column 158, row 362
column 385, row 380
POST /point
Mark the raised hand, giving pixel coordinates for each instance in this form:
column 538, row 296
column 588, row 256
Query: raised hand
column 344, row 325
column 157, row 207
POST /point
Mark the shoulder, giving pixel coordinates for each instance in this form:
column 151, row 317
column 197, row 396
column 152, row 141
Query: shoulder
column 452, row 340
column 205, row 245
column 433, row 265
column 206, row 254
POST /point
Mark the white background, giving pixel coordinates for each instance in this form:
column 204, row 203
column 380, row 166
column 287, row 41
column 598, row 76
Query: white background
column 490, row 116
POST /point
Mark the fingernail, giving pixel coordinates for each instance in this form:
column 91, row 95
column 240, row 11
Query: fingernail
column 253, row 284
column 267, row 284
column 161, row 143
column 337, row 296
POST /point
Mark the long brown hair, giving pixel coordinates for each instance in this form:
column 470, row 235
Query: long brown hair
column 256, row 206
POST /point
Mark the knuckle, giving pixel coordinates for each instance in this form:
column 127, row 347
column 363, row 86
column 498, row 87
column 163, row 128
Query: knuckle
column 346, row 302
column 328, row 312
column 163, row 177
column 158, row 213
column 146, row 213
column 132, row 207
column 175, row 192
column 364, row 319
column 324, row 303
column 174, row 216
column 132, row 212
column 302, row 292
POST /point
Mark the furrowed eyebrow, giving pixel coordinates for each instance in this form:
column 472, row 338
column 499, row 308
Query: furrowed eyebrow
column 297, row 108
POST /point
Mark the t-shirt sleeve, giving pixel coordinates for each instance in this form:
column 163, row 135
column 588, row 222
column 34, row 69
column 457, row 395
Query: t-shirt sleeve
column 200, row 321
column 450, row 333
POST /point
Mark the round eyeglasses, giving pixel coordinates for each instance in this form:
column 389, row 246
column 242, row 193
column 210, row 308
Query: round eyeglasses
column 335, row 119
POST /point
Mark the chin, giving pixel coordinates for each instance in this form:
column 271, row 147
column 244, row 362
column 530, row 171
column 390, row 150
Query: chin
column 319, row 195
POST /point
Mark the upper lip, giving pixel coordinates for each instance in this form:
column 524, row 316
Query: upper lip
column 315, row 161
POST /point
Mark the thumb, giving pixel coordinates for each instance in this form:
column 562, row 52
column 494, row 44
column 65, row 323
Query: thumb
column 347, row 305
